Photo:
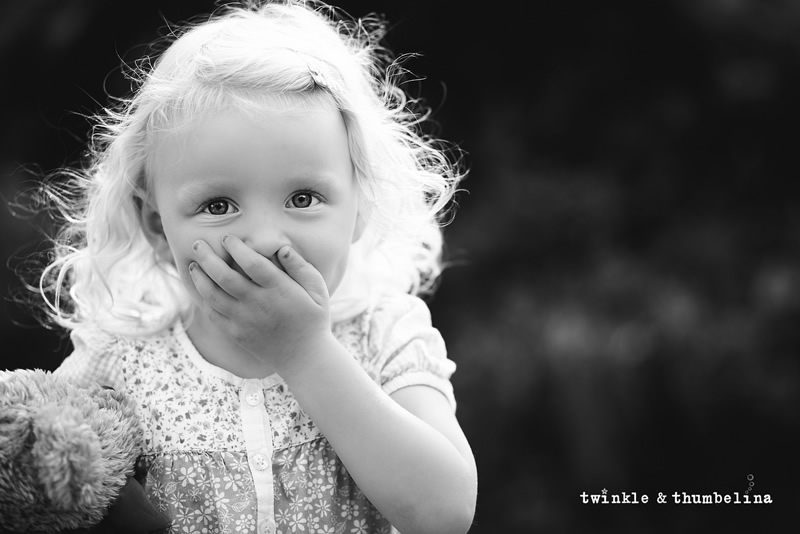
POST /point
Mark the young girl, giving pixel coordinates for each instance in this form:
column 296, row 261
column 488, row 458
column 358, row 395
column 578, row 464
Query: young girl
column 242, row 257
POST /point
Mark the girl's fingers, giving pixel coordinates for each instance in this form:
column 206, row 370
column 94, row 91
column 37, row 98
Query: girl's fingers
column 231, row 282
column 304, row 274
column 217, row 300
column 260, row 269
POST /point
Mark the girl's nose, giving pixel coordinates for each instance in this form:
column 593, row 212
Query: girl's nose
column 266, row 238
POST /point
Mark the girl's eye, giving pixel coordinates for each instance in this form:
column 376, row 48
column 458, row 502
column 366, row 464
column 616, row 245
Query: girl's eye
column 219, row 207
column 303, row 199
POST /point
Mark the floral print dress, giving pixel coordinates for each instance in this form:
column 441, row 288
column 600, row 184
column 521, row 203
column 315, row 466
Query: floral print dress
column 228, row 454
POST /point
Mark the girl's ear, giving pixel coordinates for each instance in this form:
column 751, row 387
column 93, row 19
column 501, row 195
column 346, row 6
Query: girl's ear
column 358, row 229
column 154, row 230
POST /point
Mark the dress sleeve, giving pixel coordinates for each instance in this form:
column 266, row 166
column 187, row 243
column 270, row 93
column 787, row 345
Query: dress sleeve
column 409, row 350
column 93, row 359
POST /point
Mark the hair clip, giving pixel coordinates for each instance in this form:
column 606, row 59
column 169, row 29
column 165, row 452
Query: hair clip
column 316, row 70
column 317, row 77
column 319, row 74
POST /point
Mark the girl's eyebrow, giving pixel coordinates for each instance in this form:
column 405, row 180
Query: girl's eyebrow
column 194, row 192
column 312, row 180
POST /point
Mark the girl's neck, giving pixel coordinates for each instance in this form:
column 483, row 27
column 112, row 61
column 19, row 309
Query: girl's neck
column 220, row 350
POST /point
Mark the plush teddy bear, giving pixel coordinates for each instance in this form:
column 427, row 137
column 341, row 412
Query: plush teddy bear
column 68, row 458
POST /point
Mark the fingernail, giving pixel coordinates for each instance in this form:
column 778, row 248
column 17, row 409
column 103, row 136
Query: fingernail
column 224, row 238
column 286, row 252
column 196, row 245
column 192, row 266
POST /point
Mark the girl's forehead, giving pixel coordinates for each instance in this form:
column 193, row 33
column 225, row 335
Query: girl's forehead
column 185, row 113
column 292, row 133
column 177, row 125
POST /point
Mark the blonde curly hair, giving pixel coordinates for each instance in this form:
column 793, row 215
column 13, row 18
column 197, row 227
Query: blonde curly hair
column 103, row 269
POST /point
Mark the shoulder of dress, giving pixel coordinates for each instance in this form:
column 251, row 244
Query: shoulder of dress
column 393, row 307
column 92, row 338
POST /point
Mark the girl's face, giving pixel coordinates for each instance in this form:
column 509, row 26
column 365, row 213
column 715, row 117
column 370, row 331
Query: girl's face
column 276, row 178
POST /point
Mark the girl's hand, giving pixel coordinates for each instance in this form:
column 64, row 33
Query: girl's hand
column 277, row 316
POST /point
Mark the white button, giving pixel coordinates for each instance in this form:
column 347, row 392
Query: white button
column 264, row 528
column 255, row 398
column 260, row 462
column 252, row 393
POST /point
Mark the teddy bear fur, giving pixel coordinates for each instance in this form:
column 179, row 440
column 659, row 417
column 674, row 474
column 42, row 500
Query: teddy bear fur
column 65, row 451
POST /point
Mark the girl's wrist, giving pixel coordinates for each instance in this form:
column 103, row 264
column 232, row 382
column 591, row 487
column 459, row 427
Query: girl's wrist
column 307, row 356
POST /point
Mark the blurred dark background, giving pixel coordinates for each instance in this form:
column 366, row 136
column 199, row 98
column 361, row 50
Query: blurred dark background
column 624, row 298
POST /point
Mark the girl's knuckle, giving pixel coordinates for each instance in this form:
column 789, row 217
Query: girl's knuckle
column 224, row 279
column 249, row 265
column 234, row 330
column 213, row 300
